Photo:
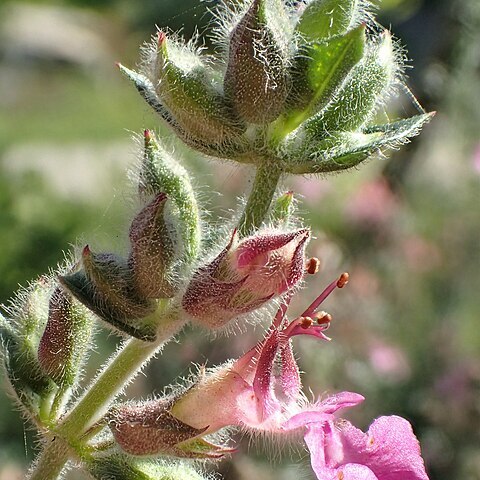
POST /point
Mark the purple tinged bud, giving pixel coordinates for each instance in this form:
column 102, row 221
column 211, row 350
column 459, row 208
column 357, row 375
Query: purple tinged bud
column 256, row 80
column 246, row 275
column 105, row 286
column 65, row 339
column 153, row 250
column 149, row 428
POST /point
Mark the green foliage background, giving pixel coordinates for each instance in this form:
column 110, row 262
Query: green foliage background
column 406, row 333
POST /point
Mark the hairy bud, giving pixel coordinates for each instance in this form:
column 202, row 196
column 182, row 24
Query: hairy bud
column 161, row 173
column 186, row 87
column 105, row 285
column 245, row 275
column 20, row 336
column 257, row 80
column 153, row 250
column 63, row 344
column 149, row 428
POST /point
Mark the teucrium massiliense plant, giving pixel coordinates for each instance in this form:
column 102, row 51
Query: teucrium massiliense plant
column 292, row 90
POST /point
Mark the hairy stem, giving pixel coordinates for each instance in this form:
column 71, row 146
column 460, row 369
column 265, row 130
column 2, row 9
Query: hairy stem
column 51, row 461
column 122, row 368
column 93, row 405
column 264, row 187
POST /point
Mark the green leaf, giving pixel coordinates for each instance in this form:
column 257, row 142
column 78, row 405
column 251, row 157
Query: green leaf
column 326, row 18
column 362, row 90
column 344, row 150
column 319, row 70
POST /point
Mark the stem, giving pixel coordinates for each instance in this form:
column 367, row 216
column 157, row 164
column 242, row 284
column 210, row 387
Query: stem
column 123, row 367
column 51, row 461
column 260, row 198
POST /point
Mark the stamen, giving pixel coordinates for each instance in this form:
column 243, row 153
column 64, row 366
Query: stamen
column 305, row 322
column 313, row 265
column 339, row 283
column 343, row 280
column 323, row 318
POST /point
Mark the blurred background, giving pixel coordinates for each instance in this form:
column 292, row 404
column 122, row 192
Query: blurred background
column 406, row 331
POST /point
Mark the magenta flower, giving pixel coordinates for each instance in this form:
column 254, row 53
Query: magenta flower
column 245, row 275
column 248, row 393
column 388, row 451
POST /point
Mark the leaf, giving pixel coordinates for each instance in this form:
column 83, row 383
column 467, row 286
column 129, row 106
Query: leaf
column 319, row 70
column 344, row 150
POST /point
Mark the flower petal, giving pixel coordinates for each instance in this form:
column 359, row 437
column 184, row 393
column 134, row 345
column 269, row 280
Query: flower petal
column 390, row 449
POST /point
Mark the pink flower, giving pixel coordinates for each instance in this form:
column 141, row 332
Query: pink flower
column 388, row 451
column 249, row 393
column 245, row 275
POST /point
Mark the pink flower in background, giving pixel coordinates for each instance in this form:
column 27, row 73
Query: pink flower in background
column 388, row 451
column 389, row 361
column 372, row 204
column 476, row 159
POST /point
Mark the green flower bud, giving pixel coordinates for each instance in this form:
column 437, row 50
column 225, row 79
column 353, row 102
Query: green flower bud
column 307, row 153
column 188, row 90
column 256, row 80
column 282, row 209
column 161, row 173
column 20, row 336
column 66, row 338
column 105, row 286
column 326, row 18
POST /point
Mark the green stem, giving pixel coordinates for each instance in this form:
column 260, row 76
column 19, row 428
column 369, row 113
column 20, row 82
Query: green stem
column 51, row 461
column 91, row 407
column 123, row 367
column 264, row 187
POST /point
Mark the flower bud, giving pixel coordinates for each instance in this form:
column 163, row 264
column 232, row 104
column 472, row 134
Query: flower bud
column 245, row 275
column 186, row 86
column 282, row 209
column 149, row 428
column 322, row 19
column 19, row 339
column 307, row 152
column 256, row 80
column 105, row 286
column 153, row 251
column 62, row 348
column 161, row 173
column 122, row 467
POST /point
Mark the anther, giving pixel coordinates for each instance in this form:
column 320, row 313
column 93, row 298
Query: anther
column 313, row 265
column 323, row 318
column 343, row 280
column 306, row 322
